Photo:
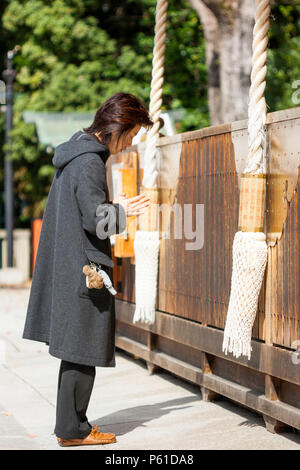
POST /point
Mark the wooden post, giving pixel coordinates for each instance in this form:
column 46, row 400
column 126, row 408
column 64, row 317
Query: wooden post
column 207, row 395
column 124, row 243
column 272, row 385
column 148, row 221
column 252, row 197
column 151, row 344
column 272, row 392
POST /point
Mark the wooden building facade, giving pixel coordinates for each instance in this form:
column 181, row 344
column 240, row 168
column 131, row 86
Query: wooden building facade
column 201, row 170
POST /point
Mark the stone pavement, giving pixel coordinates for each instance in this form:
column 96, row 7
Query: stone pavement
column 145, row 411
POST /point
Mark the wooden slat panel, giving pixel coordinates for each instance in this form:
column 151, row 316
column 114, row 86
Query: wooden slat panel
column 195, row 284
column 285, row 291
column 206, row 176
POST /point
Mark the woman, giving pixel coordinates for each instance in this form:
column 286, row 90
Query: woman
column 78, row 322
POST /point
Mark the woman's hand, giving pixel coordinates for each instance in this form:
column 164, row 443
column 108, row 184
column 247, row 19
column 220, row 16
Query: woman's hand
column 134, row 205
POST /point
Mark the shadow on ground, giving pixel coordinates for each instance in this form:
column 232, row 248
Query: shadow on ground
column 123, row 422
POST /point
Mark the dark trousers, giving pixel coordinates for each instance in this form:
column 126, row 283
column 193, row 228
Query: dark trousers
column 75, row 384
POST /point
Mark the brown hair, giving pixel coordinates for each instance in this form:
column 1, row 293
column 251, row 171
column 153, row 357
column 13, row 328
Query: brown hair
column 121, row 112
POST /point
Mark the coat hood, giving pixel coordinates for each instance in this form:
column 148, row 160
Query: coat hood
column 79, row 143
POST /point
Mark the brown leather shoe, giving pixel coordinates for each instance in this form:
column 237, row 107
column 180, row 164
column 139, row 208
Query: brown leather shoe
column 95, row 437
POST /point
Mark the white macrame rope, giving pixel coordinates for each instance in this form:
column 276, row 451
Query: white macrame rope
column 257, row 111
column 150, row 160
column 146, row 246
column 249, row 262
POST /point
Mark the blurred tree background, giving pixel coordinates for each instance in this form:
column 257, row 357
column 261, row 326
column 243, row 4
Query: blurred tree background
column 284, row 55
column 74, row 54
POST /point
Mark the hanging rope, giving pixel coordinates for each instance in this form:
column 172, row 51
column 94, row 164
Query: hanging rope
column 249, row 245
column 147, row 241
column 150, row 165
column 257, row 110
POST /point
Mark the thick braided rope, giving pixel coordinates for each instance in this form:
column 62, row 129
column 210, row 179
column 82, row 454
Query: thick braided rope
column 150, row 164
column 146, row 243
column 257, row 111
column 249, row 248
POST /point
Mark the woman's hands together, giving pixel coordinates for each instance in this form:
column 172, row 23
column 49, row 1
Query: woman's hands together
column 133, row 205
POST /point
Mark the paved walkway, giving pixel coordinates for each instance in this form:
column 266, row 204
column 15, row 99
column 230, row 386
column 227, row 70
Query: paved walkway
column 146, row 412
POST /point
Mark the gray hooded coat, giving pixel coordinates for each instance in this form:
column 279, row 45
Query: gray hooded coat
column 78, row 323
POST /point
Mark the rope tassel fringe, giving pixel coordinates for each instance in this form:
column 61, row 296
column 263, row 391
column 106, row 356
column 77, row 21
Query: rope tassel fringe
column 146, row 247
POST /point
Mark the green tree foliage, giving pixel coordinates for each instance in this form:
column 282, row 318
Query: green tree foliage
column 74, row 54
column 3, row 48
column 283, row 56
column 66, row 62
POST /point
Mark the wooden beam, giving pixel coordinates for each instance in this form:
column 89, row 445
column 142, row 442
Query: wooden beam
column 275, row 410
column 268, row 359
column 207, row 394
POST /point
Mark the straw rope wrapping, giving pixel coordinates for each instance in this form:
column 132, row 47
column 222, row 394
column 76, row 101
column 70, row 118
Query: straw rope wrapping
column 146, row 243
column 250, row 248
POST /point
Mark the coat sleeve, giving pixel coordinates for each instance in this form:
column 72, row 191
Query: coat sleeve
column 98, row 217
